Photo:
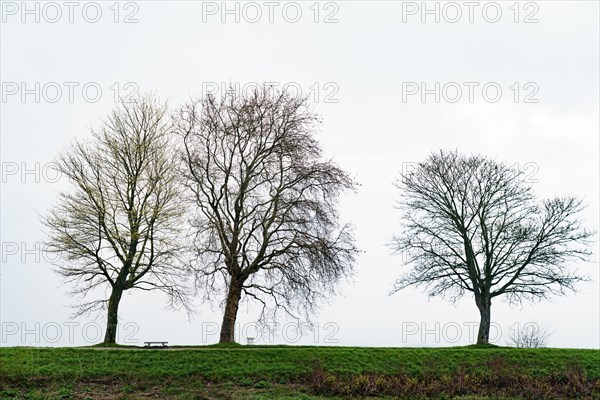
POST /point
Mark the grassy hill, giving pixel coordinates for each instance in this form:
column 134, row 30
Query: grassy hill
column 290, row 372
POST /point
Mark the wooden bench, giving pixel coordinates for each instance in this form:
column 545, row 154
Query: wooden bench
column 151, row 344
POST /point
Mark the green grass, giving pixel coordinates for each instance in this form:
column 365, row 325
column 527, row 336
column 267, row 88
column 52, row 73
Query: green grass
column 277, row 371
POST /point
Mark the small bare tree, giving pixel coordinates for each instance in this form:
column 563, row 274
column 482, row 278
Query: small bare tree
column 267, row 223
column 529, row 336
column 472, row 225
column 118, row 228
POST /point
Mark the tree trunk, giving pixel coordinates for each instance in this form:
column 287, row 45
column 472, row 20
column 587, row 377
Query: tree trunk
column 485, row 308
column 231, row 309
column 112, row 318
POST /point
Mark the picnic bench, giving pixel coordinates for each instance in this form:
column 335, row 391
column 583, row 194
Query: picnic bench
column 151, row 344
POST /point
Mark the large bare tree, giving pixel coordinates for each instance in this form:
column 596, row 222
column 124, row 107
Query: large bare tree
column 267, row 226
column 472, row 224
column 118, row 228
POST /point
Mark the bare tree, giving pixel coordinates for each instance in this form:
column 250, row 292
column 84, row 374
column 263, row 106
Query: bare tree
column 267, row 225
column 472, row 224
column 529, row 336
column 118, row 228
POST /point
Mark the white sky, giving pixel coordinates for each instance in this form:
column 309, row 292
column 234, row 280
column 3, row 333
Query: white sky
column 363, row 61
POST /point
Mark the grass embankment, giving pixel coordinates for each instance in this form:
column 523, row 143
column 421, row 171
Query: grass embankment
column 279, row 372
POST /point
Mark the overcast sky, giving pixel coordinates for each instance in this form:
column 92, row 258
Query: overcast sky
column 392, row 81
